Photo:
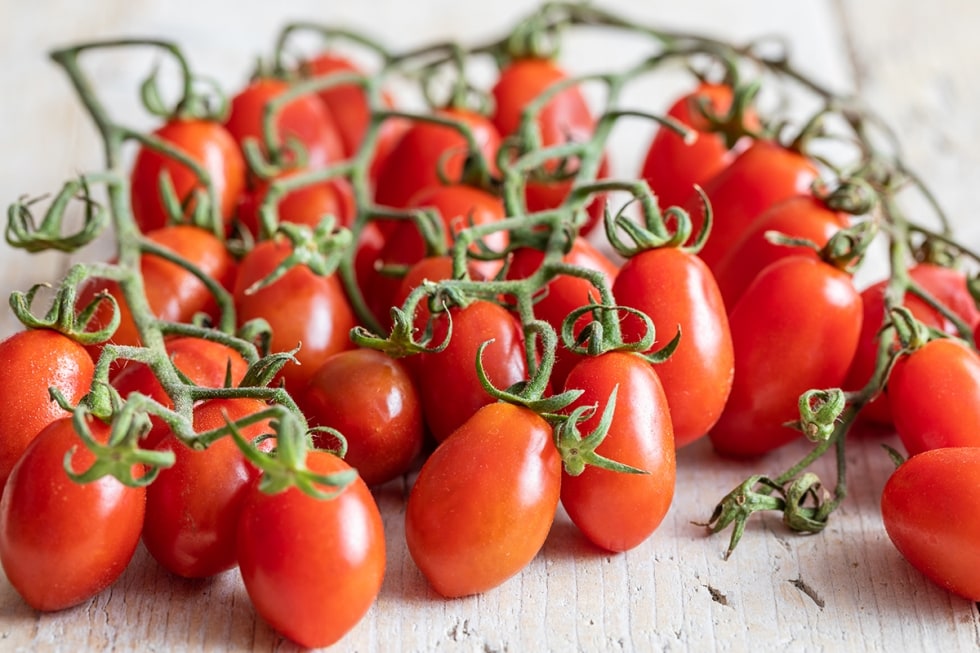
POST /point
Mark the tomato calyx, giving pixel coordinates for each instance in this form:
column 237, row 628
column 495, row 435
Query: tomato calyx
column 23, row 232
column 121, row 456
column 672, row 228
column 819, row 412
column 578, row 451
column 603, row 334
column 320, row 249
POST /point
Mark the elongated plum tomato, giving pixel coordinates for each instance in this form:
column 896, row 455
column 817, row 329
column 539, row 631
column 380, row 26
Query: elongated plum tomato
column 209, row 145
column 677, row 291
column 63, row 542
column 312, row 567
column 615, row 510
column 484, row 501
column 34, row 361
column 929, row 508
column 794, row 329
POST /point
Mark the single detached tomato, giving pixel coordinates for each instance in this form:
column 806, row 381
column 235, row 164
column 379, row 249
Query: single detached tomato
column 302, row 308
column 34, row 361
column 192, row 507
column 934, row 395
column 209, row 145
column 484, row 501
column 307, row 206
column 312, row 567
column 794, row 329
column 615, row 510
column 929, row 510
column 381, row 418
column 677, row 291
column 63, row 542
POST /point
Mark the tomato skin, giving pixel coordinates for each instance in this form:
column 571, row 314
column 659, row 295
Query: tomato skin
column 305, row 206
column 312, row 568
column 206, row 142
column 62, row 542
column 613, row 510
column 484, row 501
column 35, row 360
column 192, row 507
column 934, row 395
column 381, row 418
column 448, row 384
column 301, row 307
column 677, row 290
column 794, row 329
column 928, row 507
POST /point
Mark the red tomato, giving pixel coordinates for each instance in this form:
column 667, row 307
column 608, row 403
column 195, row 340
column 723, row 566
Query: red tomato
column 484, row 501
column 794, row 329
column 431, row 268
column 929, row 508
column 614, row 510
column 306, row 206
column 381, row 419
column 677, row 291
column 311, row 567
column 447, row 380
column 206, row 142
column 803, row 216
column 33, row 361
column 760, row 177
column 63, row 542
column 192, row 507
column 302, row 308
column 934, row 395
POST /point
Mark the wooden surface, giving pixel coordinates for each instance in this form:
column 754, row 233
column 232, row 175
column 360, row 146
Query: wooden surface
column 844, row 589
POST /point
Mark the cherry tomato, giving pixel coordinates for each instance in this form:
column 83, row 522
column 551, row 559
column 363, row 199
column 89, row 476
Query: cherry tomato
column 381, row 419
column 307, row 205
column 484, row 501
column 33, row 361
column 677, row 291
column 615, row 510
column 431, row 268
column 210, row 145
column 63, row 542
column 794, row 329
column 192, row 507
column 311, row 567
column 928, row 507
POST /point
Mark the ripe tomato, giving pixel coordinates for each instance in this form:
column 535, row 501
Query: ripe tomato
column 923, row 389
column 615, row 510
column 63, row 542
column 431, row 268
column 928, row 507
column 307, row 205
column 311, row 567
column 381, row 419
column 677, row 291
column 192, row 507
column 447, row 380
column 33, row 361
column 206, row 142
column 794, row 329
column 484, row 501
column 303, row 309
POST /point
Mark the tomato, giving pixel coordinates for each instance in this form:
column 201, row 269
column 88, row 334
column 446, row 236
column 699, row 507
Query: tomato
column 677, row 291
column 929, row 510
column 484, row 501
column 544, row 195
column 311, row 567
column 63, row 542
column 192, row 507
column 934, row 395
column 381, row 419
column 210, row 145
column 672, row 166
column 303, row 309
column 448, row 384
column 305, row 119
column 803, row 216
column 306, row 206
column 33, row 361
column 794, row 329
column 425, row 148
column 760, row 177
column 946, row 284
column 615, row 510
column 431, row 268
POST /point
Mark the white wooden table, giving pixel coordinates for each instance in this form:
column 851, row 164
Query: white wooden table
column 844, row 589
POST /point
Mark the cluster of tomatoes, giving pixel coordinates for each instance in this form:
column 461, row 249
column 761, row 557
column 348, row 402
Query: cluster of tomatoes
column 318, row 282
